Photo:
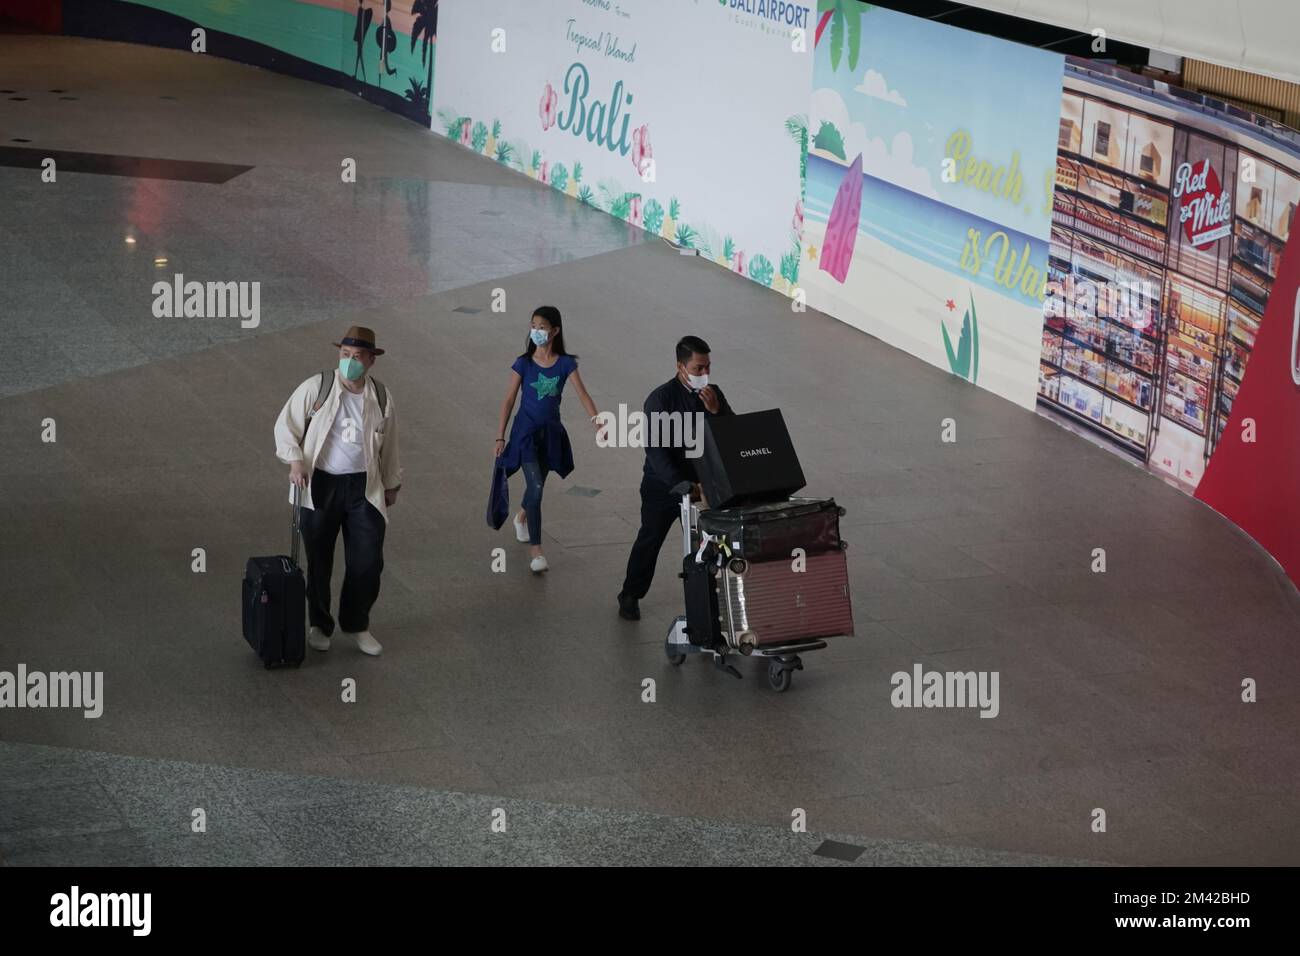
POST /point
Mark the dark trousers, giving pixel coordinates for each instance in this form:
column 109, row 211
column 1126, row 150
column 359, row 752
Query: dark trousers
column 660, row 508
column 340, row 503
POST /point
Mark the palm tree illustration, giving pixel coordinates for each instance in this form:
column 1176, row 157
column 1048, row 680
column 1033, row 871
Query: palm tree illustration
column 965, row 361
column 424, row 31
column 364, row 16
column 843, row 16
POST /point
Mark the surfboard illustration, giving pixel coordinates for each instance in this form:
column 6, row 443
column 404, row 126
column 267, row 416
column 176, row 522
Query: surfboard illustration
column 842, row 227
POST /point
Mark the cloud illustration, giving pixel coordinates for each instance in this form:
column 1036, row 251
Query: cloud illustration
column 873, row 84
column 892, row 162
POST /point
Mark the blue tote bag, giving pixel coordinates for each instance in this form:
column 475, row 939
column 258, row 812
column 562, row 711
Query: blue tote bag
column 498, row 506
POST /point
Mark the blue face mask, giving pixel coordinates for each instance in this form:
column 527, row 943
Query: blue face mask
column 351, row 369
column 539, row 336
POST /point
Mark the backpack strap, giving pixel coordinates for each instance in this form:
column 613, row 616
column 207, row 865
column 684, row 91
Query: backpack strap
column 327, row 383
column 322, row 392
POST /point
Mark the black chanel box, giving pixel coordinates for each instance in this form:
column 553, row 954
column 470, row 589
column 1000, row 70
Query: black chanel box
column 748, row 459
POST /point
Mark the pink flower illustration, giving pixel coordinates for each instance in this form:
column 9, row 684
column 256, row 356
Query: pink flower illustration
column 464, row 132
column 546, row 109
column 797, row 221
column 544, row 173
column 740, row 262
column 641, row 152
column 634, row 211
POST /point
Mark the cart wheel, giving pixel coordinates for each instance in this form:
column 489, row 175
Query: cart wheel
column 676, row 659
column 778, row 678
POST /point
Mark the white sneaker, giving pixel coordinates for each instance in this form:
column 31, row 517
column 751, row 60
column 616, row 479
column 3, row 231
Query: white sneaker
column 367, row 644
column 538, row 564
column 521, row 530
column 317, row 640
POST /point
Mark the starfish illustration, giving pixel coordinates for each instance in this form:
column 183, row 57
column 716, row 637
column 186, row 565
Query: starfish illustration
column 812, row 252
column 545, row 386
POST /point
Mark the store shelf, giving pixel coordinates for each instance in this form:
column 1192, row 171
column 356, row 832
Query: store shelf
column 1091, row 384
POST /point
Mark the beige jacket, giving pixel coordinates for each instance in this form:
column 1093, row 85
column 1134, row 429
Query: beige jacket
column 296, row 441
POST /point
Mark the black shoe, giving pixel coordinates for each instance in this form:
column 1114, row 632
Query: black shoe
column 627, row 609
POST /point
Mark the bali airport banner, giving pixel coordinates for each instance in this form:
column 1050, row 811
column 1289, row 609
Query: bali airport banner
column 686, row 119
column 929, row 190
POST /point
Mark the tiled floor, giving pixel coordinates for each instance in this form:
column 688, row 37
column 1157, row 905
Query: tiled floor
column 1119, row 691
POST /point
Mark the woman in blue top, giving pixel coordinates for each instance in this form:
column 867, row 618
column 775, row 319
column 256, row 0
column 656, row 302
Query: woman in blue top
column 538, row 442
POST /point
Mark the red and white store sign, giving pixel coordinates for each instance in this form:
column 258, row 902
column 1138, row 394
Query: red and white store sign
column 1204, row 209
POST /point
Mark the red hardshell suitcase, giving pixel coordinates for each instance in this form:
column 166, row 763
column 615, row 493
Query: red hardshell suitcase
column 766, row 603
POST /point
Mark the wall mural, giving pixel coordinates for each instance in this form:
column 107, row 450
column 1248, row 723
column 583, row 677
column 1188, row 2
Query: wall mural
column 596, row 100
column 381, row 49
column 928, row 212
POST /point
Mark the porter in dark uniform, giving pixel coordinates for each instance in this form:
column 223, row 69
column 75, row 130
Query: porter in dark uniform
column 668, row 472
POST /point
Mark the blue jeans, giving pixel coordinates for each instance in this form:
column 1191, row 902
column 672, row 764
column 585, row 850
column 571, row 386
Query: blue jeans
column 535, row 477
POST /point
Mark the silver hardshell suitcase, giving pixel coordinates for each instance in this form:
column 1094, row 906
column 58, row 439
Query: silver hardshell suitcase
column 768, row 603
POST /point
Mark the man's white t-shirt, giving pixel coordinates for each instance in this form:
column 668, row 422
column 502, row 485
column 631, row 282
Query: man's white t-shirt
column 343, row 452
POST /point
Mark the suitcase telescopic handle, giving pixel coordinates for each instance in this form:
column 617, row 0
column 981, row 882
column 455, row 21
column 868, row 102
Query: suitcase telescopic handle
column 689, row 514
column 295, row 523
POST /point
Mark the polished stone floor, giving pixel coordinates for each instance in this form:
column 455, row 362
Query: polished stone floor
column 1119, row 691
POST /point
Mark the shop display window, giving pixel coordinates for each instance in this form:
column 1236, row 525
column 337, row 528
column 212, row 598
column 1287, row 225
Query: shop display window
column 1256, row 248
column 1150, row 149
column 1126, row 422
column 1254, row 201
column 1141, row 322
column 1249, row 288
column 1105, row 133
column 1049, row 382
column 1286, row 196
column 1070, row 134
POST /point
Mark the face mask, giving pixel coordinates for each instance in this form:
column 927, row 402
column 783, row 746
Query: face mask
column 351, row 369
column 539, row 336
column 697, row 381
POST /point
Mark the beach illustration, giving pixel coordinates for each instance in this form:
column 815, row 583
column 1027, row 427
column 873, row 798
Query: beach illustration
column 927, row 214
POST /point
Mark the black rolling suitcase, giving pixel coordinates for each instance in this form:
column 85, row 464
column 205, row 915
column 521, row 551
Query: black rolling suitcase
column 701, row 586
column 772, row 531
column 275, row 602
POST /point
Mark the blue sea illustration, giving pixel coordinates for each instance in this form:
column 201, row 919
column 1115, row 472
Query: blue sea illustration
column 923, row 228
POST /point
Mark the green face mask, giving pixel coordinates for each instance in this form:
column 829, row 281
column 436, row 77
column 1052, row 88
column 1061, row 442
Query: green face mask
column 351, row 369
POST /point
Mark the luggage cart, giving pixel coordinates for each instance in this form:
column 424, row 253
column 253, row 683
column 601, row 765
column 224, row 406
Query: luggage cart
column 783, row 659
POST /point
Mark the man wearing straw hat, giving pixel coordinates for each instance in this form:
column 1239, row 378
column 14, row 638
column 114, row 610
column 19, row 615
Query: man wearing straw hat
column 338, row 435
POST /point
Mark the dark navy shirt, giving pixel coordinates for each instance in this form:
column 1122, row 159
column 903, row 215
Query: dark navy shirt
column 668, row 467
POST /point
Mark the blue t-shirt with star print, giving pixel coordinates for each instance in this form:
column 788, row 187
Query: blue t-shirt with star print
column 542, row 387
column 537, row 430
